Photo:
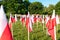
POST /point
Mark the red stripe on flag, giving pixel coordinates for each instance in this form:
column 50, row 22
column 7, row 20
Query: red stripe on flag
column 28, row 25
column 50, row 25
column 6, row 34
column 12, row 19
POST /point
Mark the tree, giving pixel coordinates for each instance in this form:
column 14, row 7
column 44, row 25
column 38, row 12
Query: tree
column 57, row 8
column 9, row 5
column 45, row 10
column 50, row 9
column 26, row 3
column 35, row 8
column 15, row 6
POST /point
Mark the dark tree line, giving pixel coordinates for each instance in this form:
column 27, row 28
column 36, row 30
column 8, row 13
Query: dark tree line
column 23, row 6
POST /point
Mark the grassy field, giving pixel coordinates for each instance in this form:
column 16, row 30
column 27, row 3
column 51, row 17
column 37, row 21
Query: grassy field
column 20, row 32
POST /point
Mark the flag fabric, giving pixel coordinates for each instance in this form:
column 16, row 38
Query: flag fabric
column 32, row 18
column 47, row 22
column 11, row 20
column 50, row 25
column 50, row 28
column 28, row 23
column 22, row 19
column 57, row 19
column 40, row 18
column 35, row 19
column 5, row 33
column 15, row 17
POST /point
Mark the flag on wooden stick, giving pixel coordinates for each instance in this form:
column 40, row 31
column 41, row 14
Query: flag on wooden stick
column 15, row 17
column 5, row 33
column 11, row 20
column 28, row 23
column 51, row 26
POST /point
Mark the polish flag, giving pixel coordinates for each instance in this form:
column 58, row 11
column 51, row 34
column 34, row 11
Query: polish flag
column 5, row 33
column 28, row 23
column 23, row 19
column 57, row 19
column 40, row 19
column 15, row 17
column 47, row 22
column 53, row 33
column 51, row 26
column 47, row 18
column 35, row 19
column 11, row 20
column 32, row 18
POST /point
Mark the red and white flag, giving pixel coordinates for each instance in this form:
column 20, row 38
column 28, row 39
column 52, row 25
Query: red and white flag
column 32, row 18
column 22, row 19
column 47, row 22
column 57, row 19
column 40, row 18
column 35, row 19
column 5, row 33
column 15, row 17
column 11, row 20
column 43, row 19
column 51, row 26
column 28, row 23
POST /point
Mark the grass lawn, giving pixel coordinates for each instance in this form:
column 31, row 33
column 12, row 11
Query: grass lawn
column 20, row 32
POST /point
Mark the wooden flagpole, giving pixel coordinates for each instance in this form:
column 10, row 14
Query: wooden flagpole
column 43, row 22
column 55, row 32
column 28, row 32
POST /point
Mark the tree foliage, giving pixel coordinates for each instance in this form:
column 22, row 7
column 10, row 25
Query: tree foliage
column 50, row 9
column 45, row 11
column 15, row 6
column 57, row 7
column 23, row 6
column 35, row 8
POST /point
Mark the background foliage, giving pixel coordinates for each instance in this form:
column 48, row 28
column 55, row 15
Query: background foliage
column 23, row 6
column 36, row 8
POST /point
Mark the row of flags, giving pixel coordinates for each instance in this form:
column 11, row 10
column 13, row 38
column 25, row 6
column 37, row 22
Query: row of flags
column 51, row 22
column 5, row 33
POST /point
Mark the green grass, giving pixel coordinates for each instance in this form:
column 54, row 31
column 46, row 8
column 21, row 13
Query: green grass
column 20, row 32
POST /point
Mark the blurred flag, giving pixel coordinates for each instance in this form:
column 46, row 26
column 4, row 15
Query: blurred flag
column 43, row 19
column 28, row 23
column 5, row 33
column 15, row 17
column 35, row 19
column 23, row 19
column 32, row 18
column 50, row 25
column 11, row 20
column 40, row 18
column 47, row 19
column 57, row 19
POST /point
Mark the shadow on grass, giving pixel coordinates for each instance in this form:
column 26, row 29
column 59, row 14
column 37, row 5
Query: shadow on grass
column 59, row 39
column 58, row 31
